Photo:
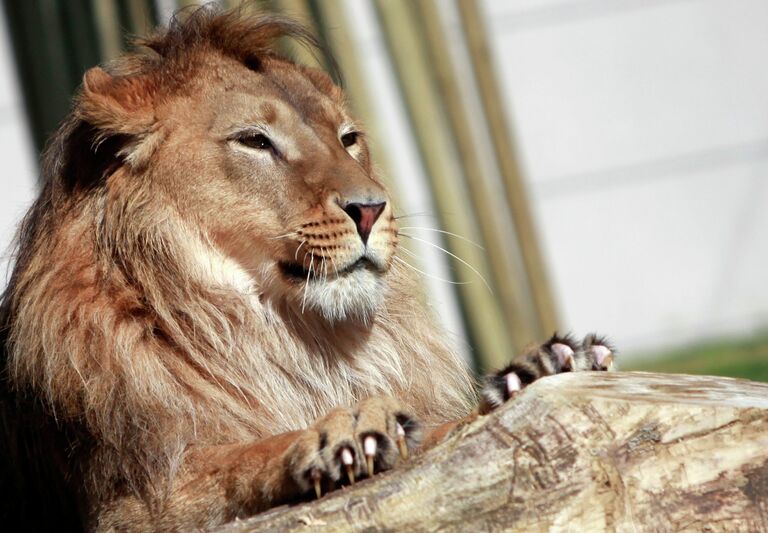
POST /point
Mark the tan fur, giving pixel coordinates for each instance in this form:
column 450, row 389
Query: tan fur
column 148, row 310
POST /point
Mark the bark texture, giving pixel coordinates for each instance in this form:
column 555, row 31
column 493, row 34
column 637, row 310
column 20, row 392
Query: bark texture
column 575, row 452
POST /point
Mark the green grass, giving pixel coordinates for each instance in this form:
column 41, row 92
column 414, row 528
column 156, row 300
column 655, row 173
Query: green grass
column 746, row 358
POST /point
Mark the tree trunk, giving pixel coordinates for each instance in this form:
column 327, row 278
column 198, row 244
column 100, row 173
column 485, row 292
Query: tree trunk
column 575, row 452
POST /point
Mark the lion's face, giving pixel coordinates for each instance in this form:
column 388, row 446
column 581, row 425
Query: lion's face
column 270, row 164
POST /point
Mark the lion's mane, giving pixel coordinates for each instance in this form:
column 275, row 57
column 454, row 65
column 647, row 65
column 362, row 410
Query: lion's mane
column 128, row 337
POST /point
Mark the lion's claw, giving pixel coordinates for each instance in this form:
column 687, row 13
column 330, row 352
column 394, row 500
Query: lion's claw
column 379, row 431
column 559, row 354
column 348, row 460
column 369, row 449
column 600, row 352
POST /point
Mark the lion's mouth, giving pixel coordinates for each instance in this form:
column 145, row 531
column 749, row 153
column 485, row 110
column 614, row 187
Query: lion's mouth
column 297, row 272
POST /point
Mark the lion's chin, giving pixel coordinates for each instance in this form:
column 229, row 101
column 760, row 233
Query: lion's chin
column 355, row 295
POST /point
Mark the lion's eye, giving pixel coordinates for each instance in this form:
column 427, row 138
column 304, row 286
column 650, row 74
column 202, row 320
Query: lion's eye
column 348, row 139
column 259, row 141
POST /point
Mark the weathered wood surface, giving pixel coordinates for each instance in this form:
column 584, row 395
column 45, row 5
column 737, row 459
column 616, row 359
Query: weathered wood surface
column 576, row 452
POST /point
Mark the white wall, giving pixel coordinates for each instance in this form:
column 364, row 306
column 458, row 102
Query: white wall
column 643, row 129
column 17, row 157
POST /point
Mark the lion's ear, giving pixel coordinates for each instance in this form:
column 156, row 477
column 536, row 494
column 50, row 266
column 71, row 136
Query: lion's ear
column 117, row 104
column 121, row 105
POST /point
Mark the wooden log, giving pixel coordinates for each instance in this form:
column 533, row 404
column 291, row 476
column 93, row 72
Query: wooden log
column 575, row 452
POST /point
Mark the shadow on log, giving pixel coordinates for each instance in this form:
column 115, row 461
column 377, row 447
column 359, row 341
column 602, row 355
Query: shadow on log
column 575, row 452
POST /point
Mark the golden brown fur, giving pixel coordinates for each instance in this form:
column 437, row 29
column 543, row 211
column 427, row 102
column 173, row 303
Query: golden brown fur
column 153, row 337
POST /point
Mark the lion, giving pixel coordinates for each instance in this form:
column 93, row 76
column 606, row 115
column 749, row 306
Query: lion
column 205, row 318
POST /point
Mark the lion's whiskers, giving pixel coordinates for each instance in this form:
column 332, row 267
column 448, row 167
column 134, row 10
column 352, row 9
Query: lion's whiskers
column 296, row 255
column 407, row 264
column 463, row 262
column 470, row 241
column 413, row 215
column 287, row 235
column 335, row 266
column 309, row 274
column 406, row 250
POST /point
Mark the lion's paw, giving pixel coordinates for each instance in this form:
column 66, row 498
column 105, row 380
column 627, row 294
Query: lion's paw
column 558, row 354
column 351, row 443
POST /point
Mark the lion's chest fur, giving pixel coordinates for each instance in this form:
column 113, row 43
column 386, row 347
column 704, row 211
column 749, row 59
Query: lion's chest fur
column 302, row 368
column 208, row 358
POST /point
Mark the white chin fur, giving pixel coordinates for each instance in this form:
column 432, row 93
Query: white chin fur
column 356, row 295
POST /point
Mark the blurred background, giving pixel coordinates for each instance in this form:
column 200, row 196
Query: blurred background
column 558, row 164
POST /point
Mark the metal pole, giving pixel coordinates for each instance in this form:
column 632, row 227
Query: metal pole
column 503, row 145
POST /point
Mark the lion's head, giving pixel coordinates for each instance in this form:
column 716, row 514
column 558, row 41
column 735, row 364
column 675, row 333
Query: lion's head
column 260, row 154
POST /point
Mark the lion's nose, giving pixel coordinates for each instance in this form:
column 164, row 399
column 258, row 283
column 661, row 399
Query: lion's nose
column 364, row 216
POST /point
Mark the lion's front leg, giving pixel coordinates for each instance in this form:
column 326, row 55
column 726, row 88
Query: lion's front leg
column 558, row 354
column 217, row 484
